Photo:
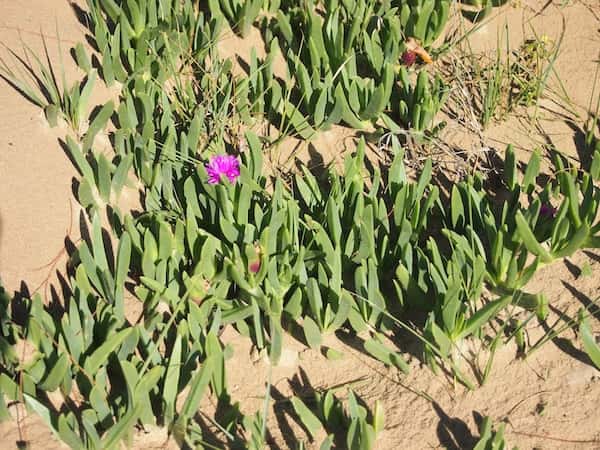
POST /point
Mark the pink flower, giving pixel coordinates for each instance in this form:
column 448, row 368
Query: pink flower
column 218, row 165
column 409, row 58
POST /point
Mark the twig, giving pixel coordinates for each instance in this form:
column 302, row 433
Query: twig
column 54, row 262
column 554, row 438
column 37, row 33
column 520, row 402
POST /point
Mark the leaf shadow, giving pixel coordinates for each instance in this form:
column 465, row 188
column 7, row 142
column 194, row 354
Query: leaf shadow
column 453, row 433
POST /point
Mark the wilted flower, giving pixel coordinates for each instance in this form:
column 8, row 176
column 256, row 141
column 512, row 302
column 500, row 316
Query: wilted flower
column 227, row 165
column 414, row 51
column 547, row 210
column 409, row 58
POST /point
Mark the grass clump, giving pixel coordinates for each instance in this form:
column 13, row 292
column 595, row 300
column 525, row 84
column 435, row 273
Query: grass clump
column 510, row 81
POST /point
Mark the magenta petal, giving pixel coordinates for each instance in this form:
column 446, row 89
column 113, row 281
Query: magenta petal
column 227, row 165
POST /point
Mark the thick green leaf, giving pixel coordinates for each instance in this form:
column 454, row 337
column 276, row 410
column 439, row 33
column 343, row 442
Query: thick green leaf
column 48, row 417
column 485, row 435
column 380, row 351
column 457, row 210
column 198, row 386
column 104, row 177
column 309, row 420
column 510, row 168
column 122, row 268
column 66, row 432
column 171, row 382
column 312, row 333
column 56, row 374
column 342, row 313
column 529, row 239
column 9, row 388
column 98, row 124
column 98, row 245
column 79, row 157
column 120, row 176
column 483, row 315
column 111, row 8
column 575, row 242
column 532, row 171
column 101, row 354
column 122, row 427
column 82, row 58
column 276, row 341
column 589, row 342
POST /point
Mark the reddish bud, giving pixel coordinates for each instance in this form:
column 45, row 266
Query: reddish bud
column 254, row 267
column 409, row 58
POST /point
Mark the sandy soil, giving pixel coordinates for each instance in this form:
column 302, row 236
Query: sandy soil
column 35, row 192
column 549, row 400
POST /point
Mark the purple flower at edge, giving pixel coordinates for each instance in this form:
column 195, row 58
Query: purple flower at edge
column 218, row 165
column 547, row 210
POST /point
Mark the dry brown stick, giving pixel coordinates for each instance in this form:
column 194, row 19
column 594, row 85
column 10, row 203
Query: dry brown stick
column 37, row 33
column 558, row 439
column 54, row 262
column 520, row 402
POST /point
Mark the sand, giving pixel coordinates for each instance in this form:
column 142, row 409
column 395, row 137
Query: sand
column 549, row 400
